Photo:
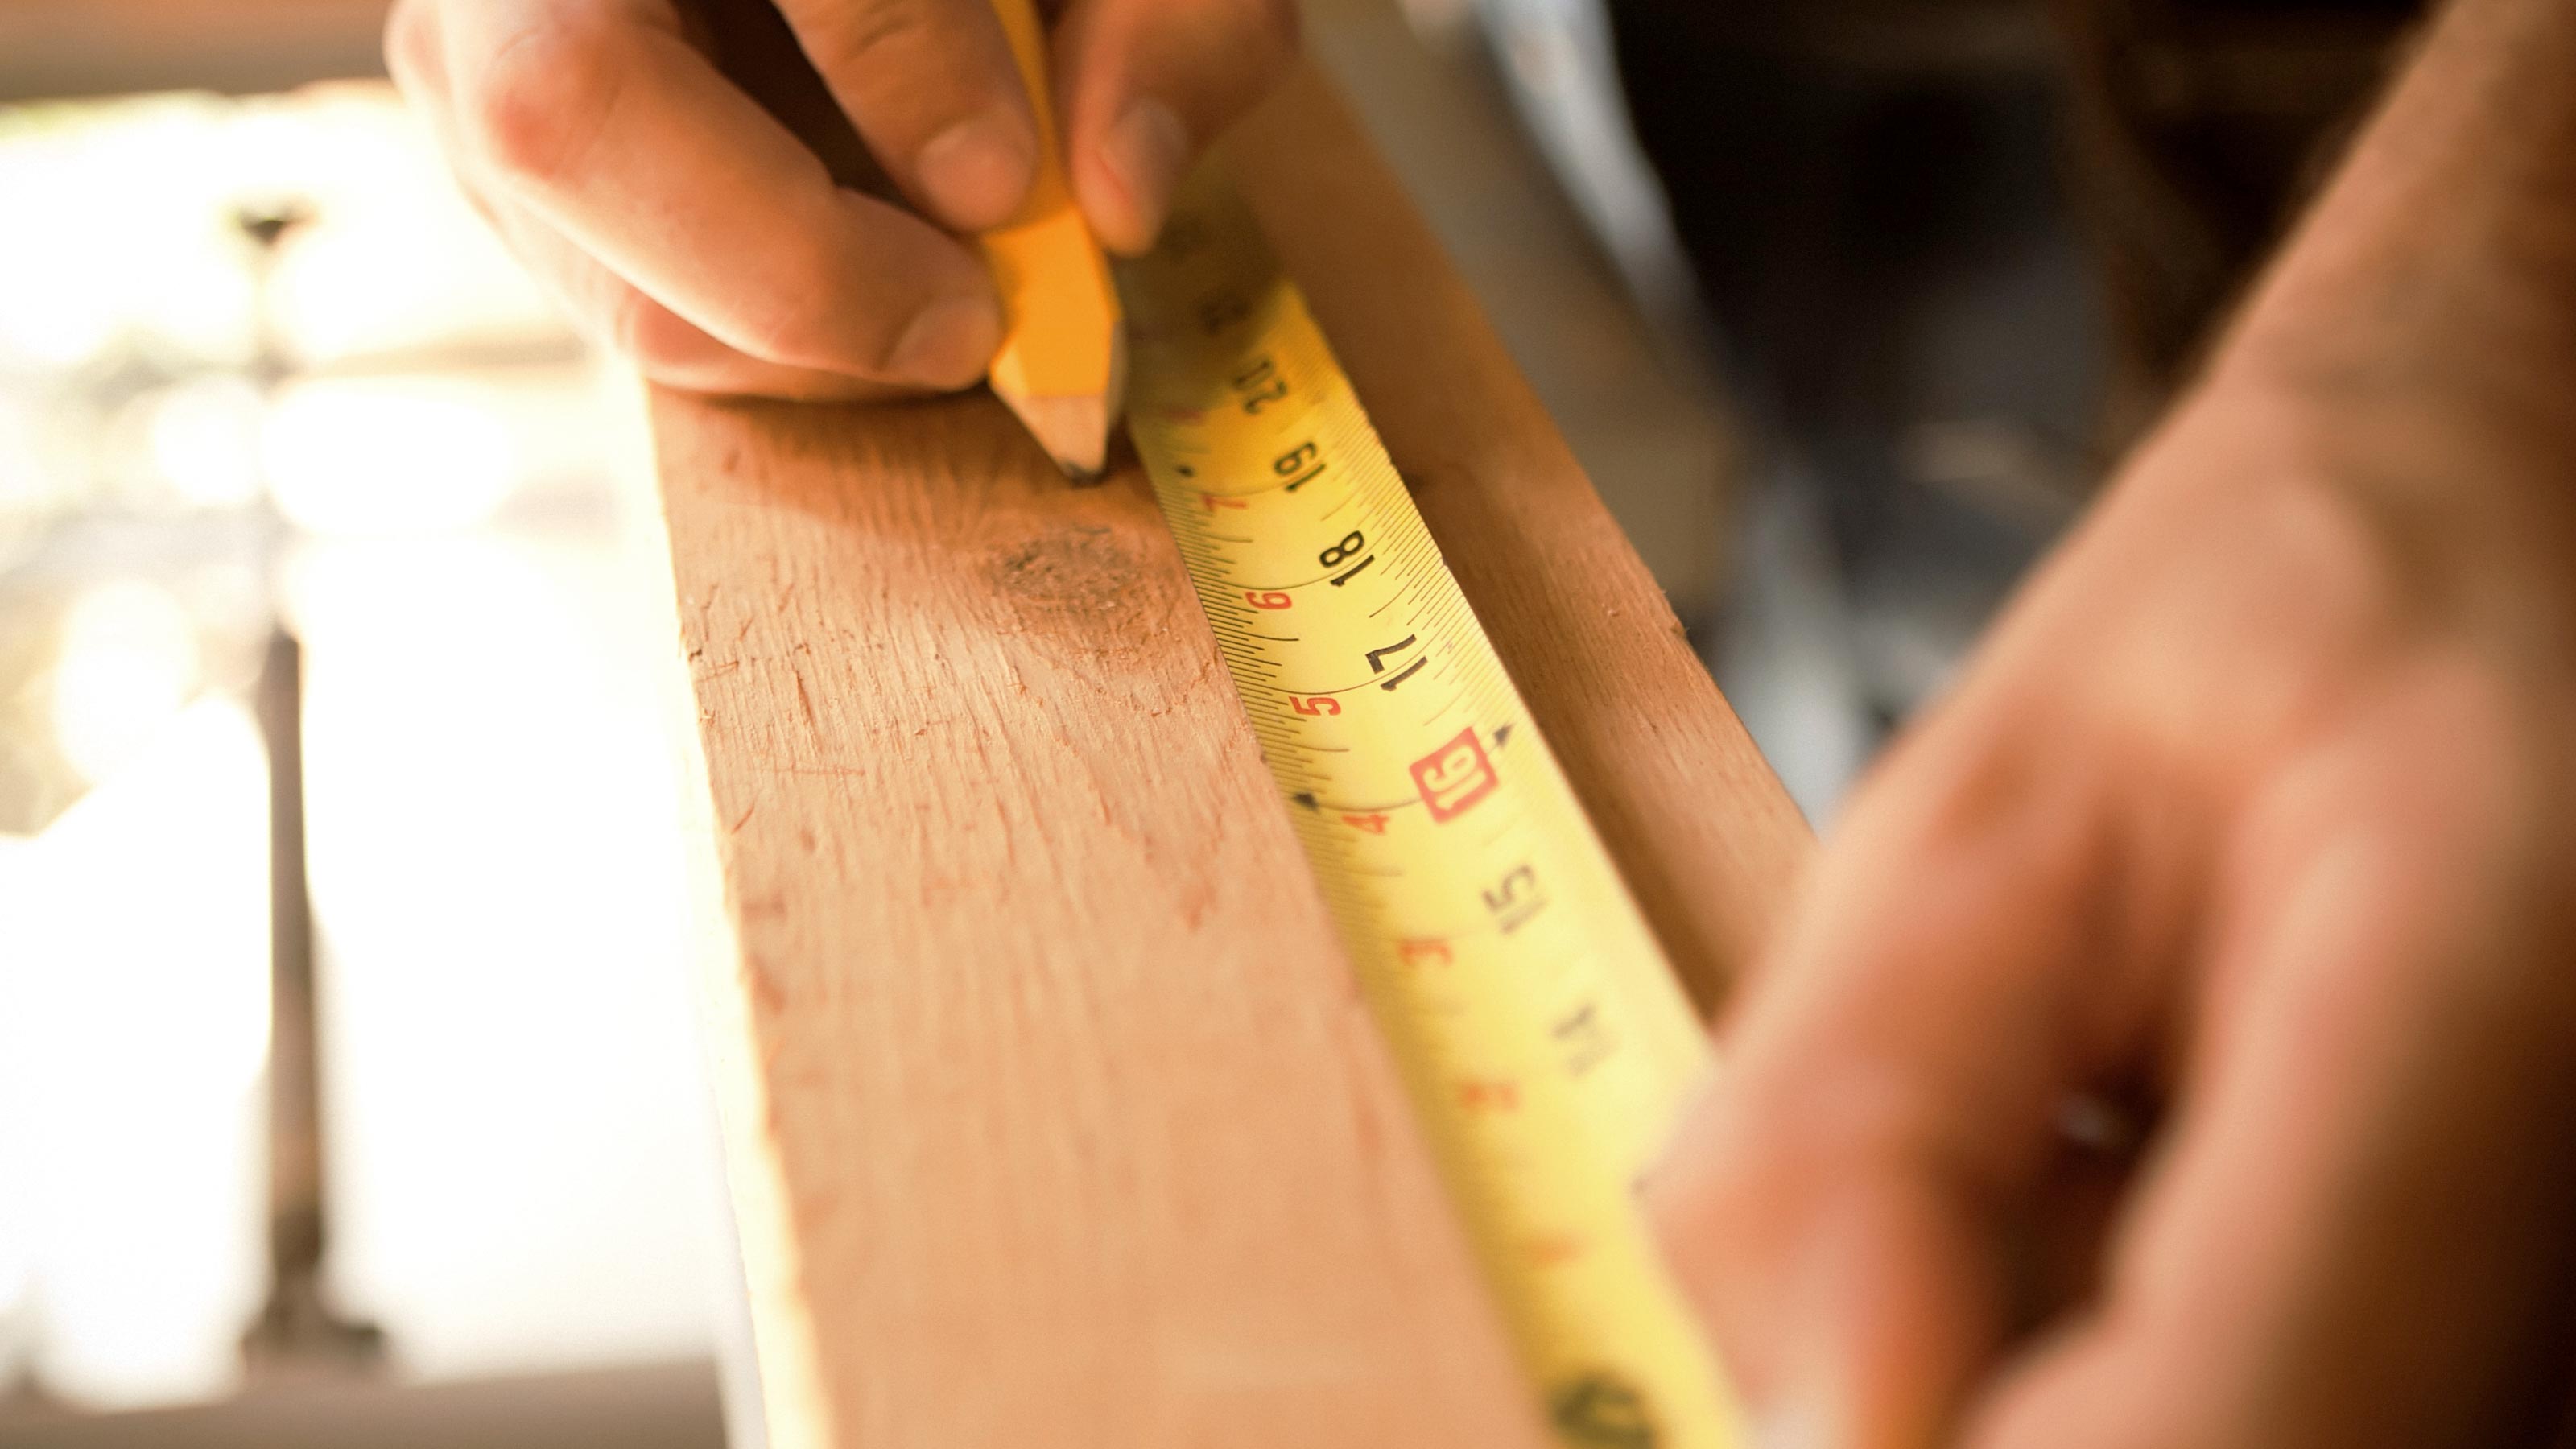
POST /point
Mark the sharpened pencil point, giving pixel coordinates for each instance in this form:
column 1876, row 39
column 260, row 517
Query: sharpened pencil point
column 1062, row 363
column 1074, row 430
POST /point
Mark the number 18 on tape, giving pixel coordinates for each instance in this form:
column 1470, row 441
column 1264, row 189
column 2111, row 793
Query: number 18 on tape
column 1543, row 1039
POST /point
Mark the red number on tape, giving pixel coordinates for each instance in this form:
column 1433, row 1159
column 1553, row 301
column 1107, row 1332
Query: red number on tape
column 1454, row 776
column 1414, row 953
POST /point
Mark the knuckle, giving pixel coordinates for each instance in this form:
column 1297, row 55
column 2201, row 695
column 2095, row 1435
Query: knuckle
column 540, row 100
column 800, row 332
column 873, row 34
column 797, row 339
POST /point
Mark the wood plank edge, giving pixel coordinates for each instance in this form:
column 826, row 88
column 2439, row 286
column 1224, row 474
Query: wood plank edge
column 795, row 1412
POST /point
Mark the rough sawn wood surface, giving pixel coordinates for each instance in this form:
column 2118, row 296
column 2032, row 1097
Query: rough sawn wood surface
column 1053, row 1114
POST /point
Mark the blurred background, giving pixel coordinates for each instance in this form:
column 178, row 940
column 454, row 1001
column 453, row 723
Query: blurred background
column 295, row 463
column 349, row 1090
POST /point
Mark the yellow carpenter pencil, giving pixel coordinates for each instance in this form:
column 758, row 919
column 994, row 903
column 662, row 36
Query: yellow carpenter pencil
column 1063, row 361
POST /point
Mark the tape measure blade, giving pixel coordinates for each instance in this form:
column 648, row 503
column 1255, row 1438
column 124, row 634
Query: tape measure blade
column 1543, row 1039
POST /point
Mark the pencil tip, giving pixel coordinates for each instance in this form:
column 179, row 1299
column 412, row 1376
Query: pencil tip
column 1074, row 430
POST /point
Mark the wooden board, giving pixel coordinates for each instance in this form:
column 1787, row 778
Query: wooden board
column 1054, row 1114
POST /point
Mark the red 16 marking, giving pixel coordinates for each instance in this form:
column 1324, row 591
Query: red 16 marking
column 1454, row 776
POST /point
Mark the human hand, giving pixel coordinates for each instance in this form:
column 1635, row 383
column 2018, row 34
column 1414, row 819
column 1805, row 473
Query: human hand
column 2253, row 814
column 685, row 226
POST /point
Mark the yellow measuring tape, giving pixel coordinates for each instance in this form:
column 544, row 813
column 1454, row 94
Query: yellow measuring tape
column 1543, row 1038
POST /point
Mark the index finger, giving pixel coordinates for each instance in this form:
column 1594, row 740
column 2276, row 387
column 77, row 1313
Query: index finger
column 599, row 117
column 1834, row 1208
column 932, row 89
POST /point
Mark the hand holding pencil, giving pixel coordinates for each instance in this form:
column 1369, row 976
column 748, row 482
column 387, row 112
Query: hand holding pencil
column 687, row 227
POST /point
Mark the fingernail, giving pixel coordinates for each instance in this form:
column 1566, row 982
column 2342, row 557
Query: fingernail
column 1144, row 153
column 949, row 344
column 974, row 173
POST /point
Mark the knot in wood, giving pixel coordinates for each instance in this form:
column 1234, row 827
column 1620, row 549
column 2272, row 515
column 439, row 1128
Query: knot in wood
column 1077, row 576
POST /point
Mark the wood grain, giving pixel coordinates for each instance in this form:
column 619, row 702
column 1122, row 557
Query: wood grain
column 1055, row 1116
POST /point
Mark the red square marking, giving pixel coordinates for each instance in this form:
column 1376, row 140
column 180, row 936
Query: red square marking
column 1454, row 776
